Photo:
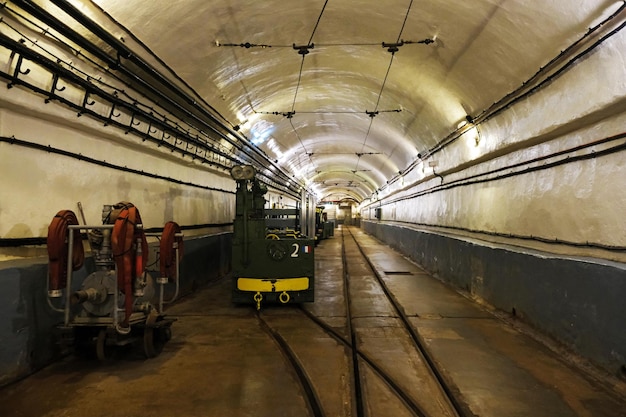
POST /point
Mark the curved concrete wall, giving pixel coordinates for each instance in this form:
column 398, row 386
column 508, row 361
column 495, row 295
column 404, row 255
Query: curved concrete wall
column 37, row 184
column 550, row 166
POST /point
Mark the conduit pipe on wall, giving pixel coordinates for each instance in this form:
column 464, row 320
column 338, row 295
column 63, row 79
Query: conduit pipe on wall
column 485, row 177
column 590, row 245
column 594, row 37
column 91, row 90
column 37, row 241
column 50, row 149
column 473, row 179
column 212, row 124
column 58, row 73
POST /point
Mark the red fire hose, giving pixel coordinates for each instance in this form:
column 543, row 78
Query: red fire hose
column 58, row 249
column 130, row 260
column 168, row 251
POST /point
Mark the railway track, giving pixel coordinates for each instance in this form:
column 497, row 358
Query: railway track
column 447, row 392
column 348, row 354
column 416, row 388
column 312, row 400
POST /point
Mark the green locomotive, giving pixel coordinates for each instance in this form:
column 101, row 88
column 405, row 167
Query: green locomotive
column 271, row 261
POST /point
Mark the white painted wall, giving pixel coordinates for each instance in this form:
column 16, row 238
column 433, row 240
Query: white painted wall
column 36, row 185
column 580, row 202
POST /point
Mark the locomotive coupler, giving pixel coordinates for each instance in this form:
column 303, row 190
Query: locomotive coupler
column 258, row 297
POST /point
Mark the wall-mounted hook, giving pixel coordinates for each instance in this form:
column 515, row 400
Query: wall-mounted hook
column 54, row 88
column 164, row 137
column 132, row 123
column 86, row 101
column 17, row 72
column 112, row 112
column 18, row 67
column 437, row 175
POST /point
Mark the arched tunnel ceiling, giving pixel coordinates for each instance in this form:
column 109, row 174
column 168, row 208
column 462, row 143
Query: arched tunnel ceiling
column 350, row 114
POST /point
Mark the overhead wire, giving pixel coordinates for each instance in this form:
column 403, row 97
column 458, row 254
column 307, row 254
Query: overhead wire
column 304, row 53
column 248, row 45
column 328, row 112
column 304, row 50
column 319, row 18
column 382, row 88
column 295, row 95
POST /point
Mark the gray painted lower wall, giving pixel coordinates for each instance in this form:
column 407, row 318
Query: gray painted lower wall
column 28, row 339
column 581, row 303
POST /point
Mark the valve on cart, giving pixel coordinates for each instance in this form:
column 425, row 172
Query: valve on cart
column 116, row 304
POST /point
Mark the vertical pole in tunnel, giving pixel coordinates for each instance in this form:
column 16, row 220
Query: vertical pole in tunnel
column 243, row 185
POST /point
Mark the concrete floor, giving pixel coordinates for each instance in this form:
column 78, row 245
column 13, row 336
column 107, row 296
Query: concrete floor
column 220, row 363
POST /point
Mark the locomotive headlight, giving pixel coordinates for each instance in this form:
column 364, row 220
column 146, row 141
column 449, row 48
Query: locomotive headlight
column 242, row 172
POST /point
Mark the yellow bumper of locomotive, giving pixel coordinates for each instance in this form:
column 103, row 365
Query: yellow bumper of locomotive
column 273, row 285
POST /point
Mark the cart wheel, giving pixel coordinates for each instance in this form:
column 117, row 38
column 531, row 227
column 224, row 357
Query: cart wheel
column 102, row 352
column 153, row 340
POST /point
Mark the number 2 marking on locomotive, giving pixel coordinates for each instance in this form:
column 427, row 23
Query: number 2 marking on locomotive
column 296, row 249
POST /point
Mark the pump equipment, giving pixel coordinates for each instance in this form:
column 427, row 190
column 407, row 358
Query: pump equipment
column 116, row 304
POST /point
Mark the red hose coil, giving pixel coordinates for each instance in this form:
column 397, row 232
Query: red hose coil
column 58, row 246
column 168, row 251
column 129, row 263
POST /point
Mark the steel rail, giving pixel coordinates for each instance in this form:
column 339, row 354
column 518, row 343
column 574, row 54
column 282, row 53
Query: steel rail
column 356, row 374
column 446, row 384
column 358, row 354
column 312, row 399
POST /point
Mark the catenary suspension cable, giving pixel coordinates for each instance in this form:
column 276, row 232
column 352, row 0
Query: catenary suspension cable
column 304, row 50
column 249, row 45
column 319, row 18
column 382, row 88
